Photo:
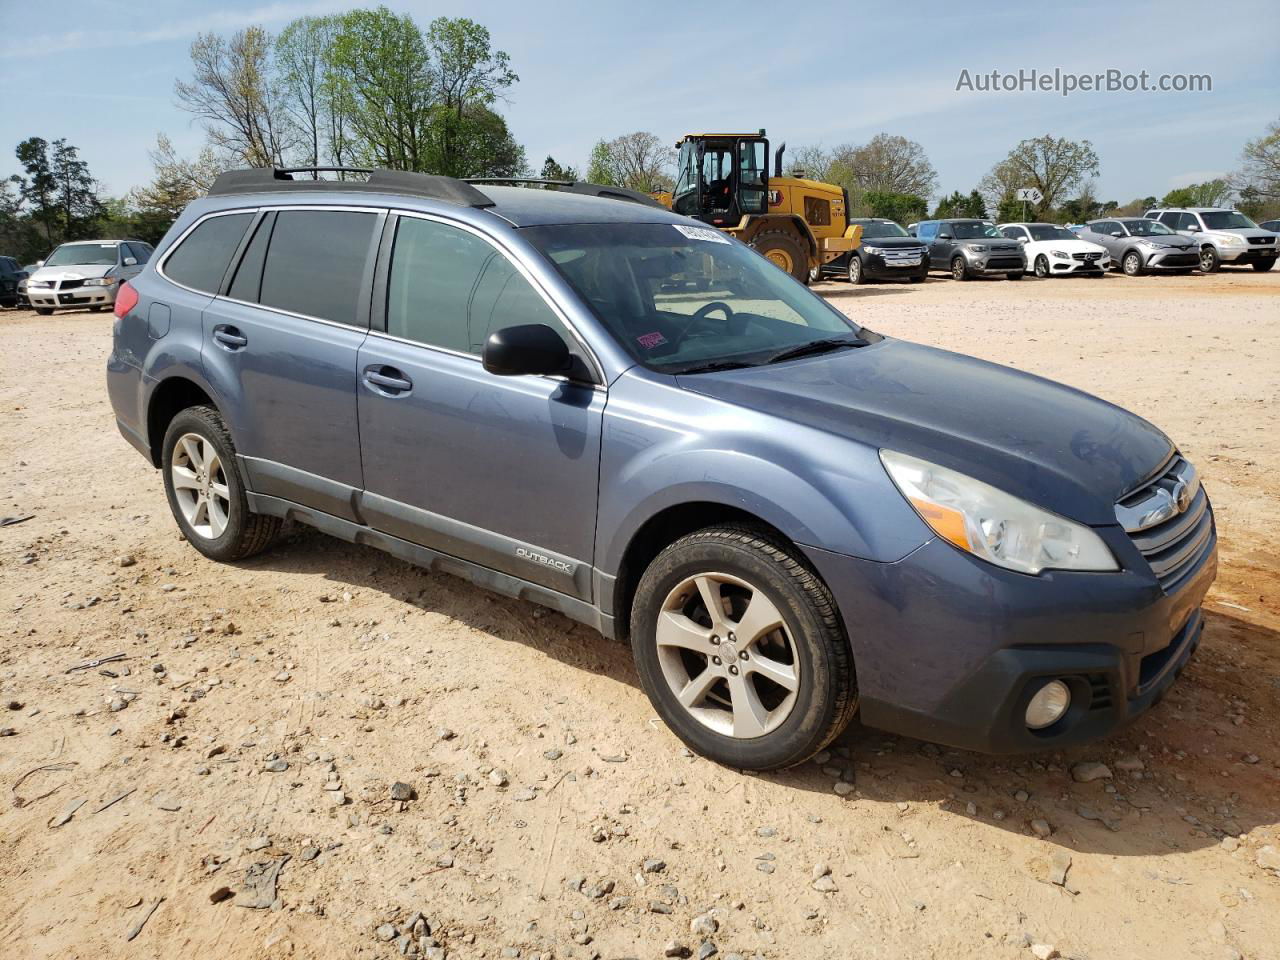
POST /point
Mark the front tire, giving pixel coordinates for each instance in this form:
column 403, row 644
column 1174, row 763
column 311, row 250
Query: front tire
column 206, row 492
column 1131, row 264
column 856, row 274
column 959, row 269
column 740, row 649
column 1209, row 260
column 1042, row 266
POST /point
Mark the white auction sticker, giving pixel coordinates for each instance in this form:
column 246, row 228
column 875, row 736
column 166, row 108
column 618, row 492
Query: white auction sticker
column 709, row 234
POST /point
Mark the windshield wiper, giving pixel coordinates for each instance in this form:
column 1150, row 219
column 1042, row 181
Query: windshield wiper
column 714, row 365
column 817, row 346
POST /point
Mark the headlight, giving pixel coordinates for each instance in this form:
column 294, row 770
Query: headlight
column 1149, row 244
column 1062, row 254
column 873, row 249
column 100, row 281
column 992, row 524
column 1231, row 240
column 978, row 247
column 39, row 284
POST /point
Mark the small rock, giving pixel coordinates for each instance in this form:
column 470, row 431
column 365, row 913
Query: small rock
column 820, row 870
column 277, row 765
column 386, row 933
column 258, row 843
column 498, row 777
column 843, row 789
column 283, row 677
column 308, row 854
column 1041, row 828
column 402, row 792
column 118, row 704
column 766, row 832
column 653, row 865
column 1130, row 764
column 8, row 732
column 764, row 866
column 1089, row 771
column 15, row 705
column 524, row 795
column 554, row 753
column 704, row 925
column 1251, row 758
column 125, row 560
column 444, row 733
column 708, row 949
column 1044, row 951
column 221, row 894
column 1022, row 796
column 1268, row 858
column 675, row 948
column 825, row 885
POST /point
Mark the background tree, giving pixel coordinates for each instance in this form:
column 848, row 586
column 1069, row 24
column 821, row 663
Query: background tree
column 885, row 164
column 637, row 161
column 1055, row 166
column 553, row 171
column 1211, row 193
column 37, row 191
column 175, row 183
column 233, row 91
column 1261, row 170
column 903, row 207
column 77, row 192
column 302, row 64
column 478, row 144
column 961, row 205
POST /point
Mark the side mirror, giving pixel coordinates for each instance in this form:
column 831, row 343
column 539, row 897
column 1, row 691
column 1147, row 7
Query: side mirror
column 945, row 236
column 130, row 261
column 531, row 348
column 39, row 264
column 1023, row 240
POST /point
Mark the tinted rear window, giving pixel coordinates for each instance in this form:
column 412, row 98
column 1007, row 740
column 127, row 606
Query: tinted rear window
column 315, row 263
column 201, row 259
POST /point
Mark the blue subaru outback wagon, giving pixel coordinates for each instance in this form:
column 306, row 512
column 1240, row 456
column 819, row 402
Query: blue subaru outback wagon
column 634, row 419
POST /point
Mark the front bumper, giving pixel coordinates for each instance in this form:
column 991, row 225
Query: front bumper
column 990, row 263
column 1172, row 259
column 1063, row 268
column 950, row 649
column 75, row 297
column 1250, row 254
column 876, row 266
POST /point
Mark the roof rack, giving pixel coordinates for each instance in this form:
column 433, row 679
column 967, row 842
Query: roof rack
column 577, row 186
column 280, row 180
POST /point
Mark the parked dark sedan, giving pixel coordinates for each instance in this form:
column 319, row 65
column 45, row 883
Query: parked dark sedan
column 11, row 276
column 887, row 252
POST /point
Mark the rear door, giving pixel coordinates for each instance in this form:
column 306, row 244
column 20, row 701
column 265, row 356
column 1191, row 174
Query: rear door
column 281, row 343
column 501, row 471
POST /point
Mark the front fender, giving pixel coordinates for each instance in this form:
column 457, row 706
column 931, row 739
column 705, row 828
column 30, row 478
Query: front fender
column 664, row 447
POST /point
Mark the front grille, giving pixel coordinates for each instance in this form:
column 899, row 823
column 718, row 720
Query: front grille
column 1171, row 540
column 1180, row 260
column 1086, row 257
column 1262, row 239
column 894, row 254
column 70, row 284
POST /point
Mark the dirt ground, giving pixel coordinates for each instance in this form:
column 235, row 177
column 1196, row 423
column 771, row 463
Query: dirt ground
column 542, row 780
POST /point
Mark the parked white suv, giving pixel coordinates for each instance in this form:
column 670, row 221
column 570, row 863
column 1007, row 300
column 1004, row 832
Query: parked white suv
column 1224, row 236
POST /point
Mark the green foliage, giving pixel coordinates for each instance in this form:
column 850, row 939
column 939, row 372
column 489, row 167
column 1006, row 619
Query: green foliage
column 1211, row 193
column 960, row 205
column 551, row 170
column 637, row 161
column 1053, row 165
column 902, row 207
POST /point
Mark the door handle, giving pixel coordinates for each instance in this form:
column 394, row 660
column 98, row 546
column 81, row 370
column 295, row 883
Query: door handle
column 229, row 337
column 389, row 379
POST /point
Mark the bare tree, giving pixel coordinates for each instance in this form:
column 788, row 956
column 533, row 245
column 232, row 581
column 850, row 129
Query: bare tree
column 232, row 91
column 638, row 161
column 1261, row 173
column 1054, row 166
column 885, row 164
column 300, row 58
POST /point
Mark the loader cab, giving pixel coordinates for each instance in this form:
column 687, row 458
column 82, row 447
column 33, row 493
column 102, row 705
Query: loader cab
column 722, row 177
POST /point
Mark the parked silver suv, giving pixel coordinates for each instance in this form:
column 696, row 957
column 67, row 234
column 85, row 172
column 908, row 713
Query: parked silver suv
column 1224, row 236
column 86, row 273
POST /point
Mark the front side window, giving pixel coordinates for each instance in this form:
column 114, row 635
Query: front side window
column 753, row 176
column 315, row 263
column 203, row 257
column 681, row 298
column 83, row 255
column 450, row 288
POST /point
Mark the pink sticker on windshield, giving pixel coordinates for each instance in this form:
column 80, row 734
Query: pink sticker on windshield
column 651, row 340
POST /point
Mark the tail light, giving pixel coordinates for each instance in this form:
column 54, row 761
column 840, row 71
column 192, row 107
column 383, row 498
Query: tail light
column 126, row 299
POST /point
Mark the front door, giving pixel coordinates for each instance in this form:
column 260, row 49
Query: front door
column 501, row 471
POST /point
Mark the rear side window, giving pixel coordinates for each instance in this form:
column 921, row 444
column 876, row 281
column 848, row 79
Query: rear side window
column 449, row 288
column 202, row 258
column 315, row 263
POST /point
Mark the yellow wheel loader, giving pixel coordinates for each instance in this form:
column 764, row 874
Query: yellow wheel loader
column 723, row 179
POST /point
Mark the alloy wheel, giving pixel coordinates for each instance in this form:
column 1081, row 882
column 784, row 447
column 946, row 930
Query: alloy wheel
column 727, row 655
column 200, row 485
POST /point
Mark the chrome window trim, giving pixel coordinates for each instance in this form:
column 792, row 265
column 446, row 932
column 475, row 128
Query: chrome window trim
column 515, row 258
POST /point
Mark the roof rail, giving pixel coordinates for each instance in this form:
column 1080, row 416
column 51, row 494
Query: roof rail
column 578, row 186
column 280, row 180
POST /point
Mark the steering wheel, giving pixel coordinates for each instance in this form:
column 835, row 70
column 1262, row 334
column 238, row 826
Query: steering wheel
column 703, row 312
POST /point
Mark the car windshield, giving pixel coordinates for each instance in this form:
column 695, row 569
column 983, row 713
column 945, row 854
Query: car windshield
column 1147, row 228
column 875, row 229
column 972, row 230
column 82, row 254
column 1226, row 220
column 1047, row 231
column 682, row 298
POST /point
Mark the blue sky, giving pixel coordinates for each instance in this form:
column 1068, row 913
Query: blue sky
column 101, row 74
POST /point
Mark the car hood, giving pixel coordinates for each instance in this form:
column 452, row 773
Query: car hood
column 73, row 271
column 1070, row 246
column 1050, row 444
column 1178, row 242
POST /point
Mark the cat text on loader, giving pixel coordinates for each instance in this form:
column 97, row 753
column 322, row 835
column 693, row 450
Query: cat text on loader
column 723, row 179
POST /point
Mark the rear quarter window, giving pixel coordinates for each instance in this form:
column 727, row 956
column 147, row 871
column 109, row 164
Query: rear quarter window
column 202, row 258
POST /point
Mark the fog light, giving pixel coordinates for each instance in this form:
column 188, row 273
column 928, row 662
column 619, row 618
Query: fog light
column 1048, row 705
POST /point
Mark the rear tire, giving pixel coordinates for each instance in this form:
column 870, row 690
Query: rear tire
column 712, row 677
column 198, row 444
column 783, row 250
column 1262, row 266
column 1209, row 260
